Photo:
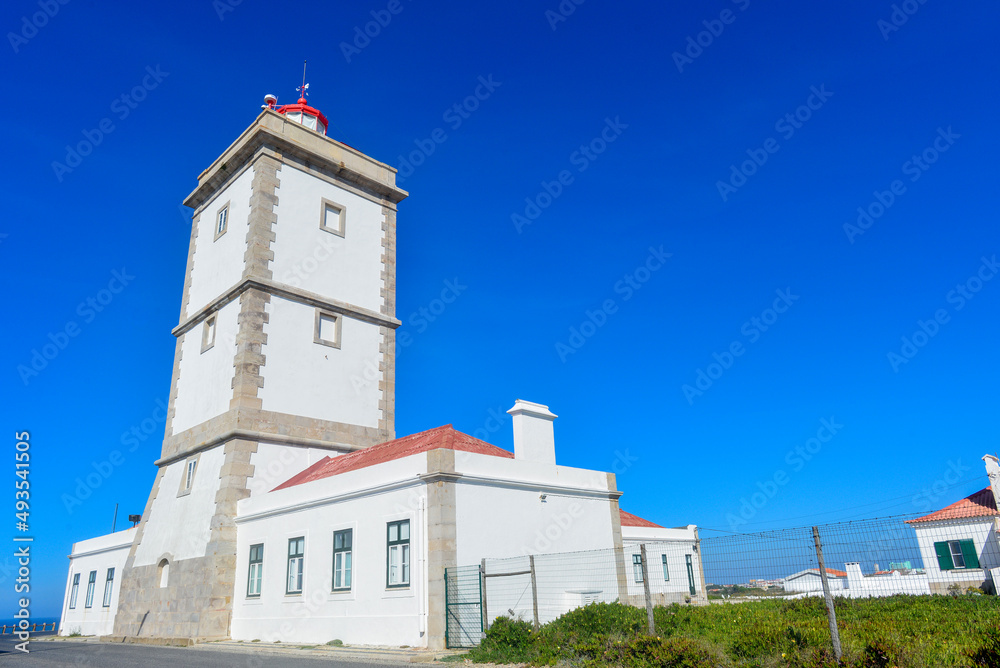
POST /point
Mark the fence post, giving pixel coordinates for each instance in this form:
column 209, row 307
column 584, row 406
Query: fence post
column 645, row 588
column 831, row 613
column 482, row 595
column 534, row 588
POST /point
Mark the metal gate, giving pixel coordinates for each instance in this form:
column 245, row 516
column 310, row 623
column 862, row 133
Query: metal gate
column 463, row 593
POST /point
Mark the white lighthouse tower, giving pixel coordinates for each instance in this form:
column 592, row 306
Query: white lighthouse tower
column 284, row 355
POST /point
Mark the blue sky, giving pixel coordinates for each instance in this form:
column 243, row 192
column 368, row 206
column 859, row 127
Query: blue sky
column 632, row 143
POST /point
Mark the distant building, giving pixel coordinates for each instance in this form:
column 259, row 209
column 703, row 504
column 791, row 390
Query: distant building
column 811, row 580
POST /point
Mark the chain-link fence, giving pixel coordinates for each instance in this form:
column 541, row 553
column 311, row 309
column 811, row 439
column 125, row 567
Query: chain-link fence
column 902, row 555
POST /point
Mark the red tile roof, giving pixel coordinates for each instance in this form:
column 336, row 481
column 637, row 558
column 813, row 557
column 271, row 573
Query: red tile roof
column 630, row 520
column 441, row 437
column 980, row 504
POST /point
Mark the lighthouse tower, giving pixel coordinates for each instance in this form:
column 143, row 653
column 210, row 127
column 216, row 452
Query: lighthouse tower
column 284, row 354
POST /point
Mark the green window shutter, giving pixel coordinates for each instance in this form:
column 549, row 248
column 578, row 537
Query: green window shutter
column 969, row 553
column 944, row 556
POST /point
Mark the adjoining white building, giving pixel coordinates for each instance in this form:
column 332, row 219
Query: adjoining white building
column 959, row 543
column 283, row 507
column 93, row 585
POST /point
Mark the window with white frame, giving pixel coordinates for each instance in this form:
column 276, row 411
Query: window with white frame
column 296, row 562
column 222, row 220
column 256, row 572
column 956, row 554
column 109, row 583
column 74, row 591
column 208, row 332
column 91, row 583
column 666, row 571
column 333, row 217
column 328, row 327
column 187, row 480
column 637, row 567
column 342, row 554
column 398, row 554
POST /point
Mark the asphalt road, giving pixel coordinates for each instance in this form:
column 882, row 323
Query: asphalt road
column 103, row 655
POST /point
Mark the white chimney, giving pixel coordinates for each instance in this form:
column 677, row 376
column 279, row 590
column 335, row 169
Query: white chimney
column 993, row 471
column 855, row 578
column 534, row 440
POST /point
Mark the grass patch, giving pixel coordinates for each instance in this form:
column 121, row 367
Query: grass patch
column 901, row 632
column 454, row 658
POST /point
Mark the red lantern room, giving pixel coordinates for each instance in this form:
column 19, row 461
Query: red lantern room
column 300, row 112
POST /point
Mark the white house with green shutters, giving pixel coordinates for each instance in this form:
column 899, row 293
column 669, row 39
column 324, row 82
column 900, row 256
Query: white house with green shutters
column 959, row 543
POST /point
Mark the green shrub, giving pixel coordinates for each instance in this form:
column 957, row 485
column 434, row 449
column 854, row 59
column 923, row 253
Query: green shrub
column 507, row 641
column 642, row 651
column 987, row 655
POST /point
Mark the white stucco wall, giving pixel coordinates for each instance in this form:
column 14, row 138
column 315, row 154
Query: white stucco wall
column 205, row 383
column 274, row 464
column 980, row 531
column 181, row 525
column 370, row 613
column 96, row 554
column 813, row 582
column 310, row 379
column 218, row 263
column 345, row 268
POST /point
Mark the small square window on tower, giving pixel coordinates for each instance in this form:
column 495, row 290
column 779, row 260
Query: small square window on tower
column 208, row 333
column 222, row 220
column 327, row 329
column 332, row 217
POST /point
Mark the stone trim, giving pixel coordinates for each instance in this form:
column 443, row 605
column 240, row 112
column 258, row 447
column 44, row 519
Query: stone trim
column 297, row 295
column 333, row 179
column 175, row 377
column 128, row 613
column 387, row 382
column 260, row 222
column 215, row 221
column 341, row 229
column 337, row 320
column 441, row 537
column 387, row 344
column 186, row 292
column 616, row 534
column 210, row 326
column 291, row 139
column 272, row 427
column 183, row 489
column 249, row 359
